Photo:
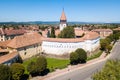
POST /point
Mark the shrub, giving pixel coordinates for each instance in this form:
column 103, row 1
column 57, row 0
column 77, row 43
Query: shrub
column 41, row 64
column 17, row 71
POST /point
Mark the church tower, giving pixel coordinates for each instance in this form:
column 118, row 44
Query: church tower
column 63, row 21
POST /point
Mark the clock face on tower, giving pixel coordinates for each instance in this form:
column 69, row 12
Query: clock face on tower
column 62, row 26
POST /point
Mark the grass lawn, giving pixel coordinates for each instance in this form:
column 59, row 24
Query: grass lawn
column 52, row 63
column 57, row 63
column 96, row 55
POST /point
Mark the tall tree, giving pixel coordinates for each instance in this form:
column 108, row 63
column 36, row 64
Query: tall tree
column 48, row 33
column 104, row 43
column 38, row 66
column 67, row 32
column 41, row 64
column 52, row 35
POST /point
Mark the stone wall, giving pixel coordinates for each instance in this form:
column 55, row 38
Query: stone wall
column 29, row 51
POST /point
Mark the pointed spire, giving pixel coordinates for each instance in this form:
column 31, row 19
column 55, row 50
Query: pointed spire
column 63, row 17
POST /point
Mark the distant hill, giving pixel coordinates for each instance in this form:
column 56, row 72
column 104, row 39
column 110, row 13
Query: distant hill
column 56, row 22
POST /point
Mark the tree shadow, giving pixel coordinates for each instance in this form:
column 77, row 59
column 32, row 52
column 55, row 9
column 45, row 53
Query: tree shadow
column 74, row 62
column 24, row 77
column 78, row 62
column 82, row 61
column 43, row 73
column 19, row 60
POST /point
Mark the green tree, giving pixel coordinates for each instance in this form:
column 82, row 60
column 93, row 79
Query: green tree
column 111, row 71
column 111, row 37
column 40, row 33
column 74, row 58
column 41, row 64
column 67, row 32
column 104, row 43
column 17, row 71
column 108, row 40
column 82, row 55
column 108, row 48
column 48, row 33
column 43, row 27
column 38, row 66
column 79, row 56
column 5, row 73
column 115, row 37
column 52, row 35
column 31, row 68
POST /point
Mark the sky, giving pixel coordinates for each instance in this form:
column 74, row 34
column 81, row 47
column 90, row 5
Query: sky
column 50, row 10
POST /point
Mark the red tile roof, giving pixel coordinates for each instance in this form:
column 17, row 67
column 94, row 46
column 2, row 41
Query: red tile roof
column 3, row 44
column 25, row 40
column 34, row 38
column 63, row 17
column 78, row 32
column 63, row 39
column 57, row 32
column 4, row 50
column 12, row 31
column 117, row 28
column 8, row 57
column 91, row 35
column 87, row 36
column 102, row 30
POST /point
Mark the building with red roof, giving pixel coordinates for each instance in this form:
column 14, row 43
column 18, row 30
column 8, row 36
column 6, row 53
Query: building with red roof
column 103, row 32
column 7, row 34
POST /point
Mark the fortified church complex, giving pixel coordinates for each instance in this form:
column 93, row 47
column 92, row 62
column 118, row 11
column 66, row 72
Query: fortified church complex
column 32, row 43
column 58, row 46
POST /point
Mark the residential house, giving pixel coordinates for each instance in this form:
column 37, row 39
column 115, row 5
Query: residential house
column 8, row 34
column 27, row 45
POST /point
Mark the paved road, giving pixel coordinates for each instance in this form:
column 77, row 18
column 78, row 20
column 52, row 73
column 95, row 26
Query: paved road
column 86, row 72
column 115, row 54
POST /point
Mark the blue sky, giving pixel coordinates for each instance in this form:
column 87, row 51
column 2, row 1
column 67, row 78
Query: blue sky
column 50, row 10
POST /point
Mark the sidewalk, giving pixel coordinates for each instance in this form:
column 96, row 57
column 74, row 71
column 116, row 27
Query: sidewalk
column 59, row 72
